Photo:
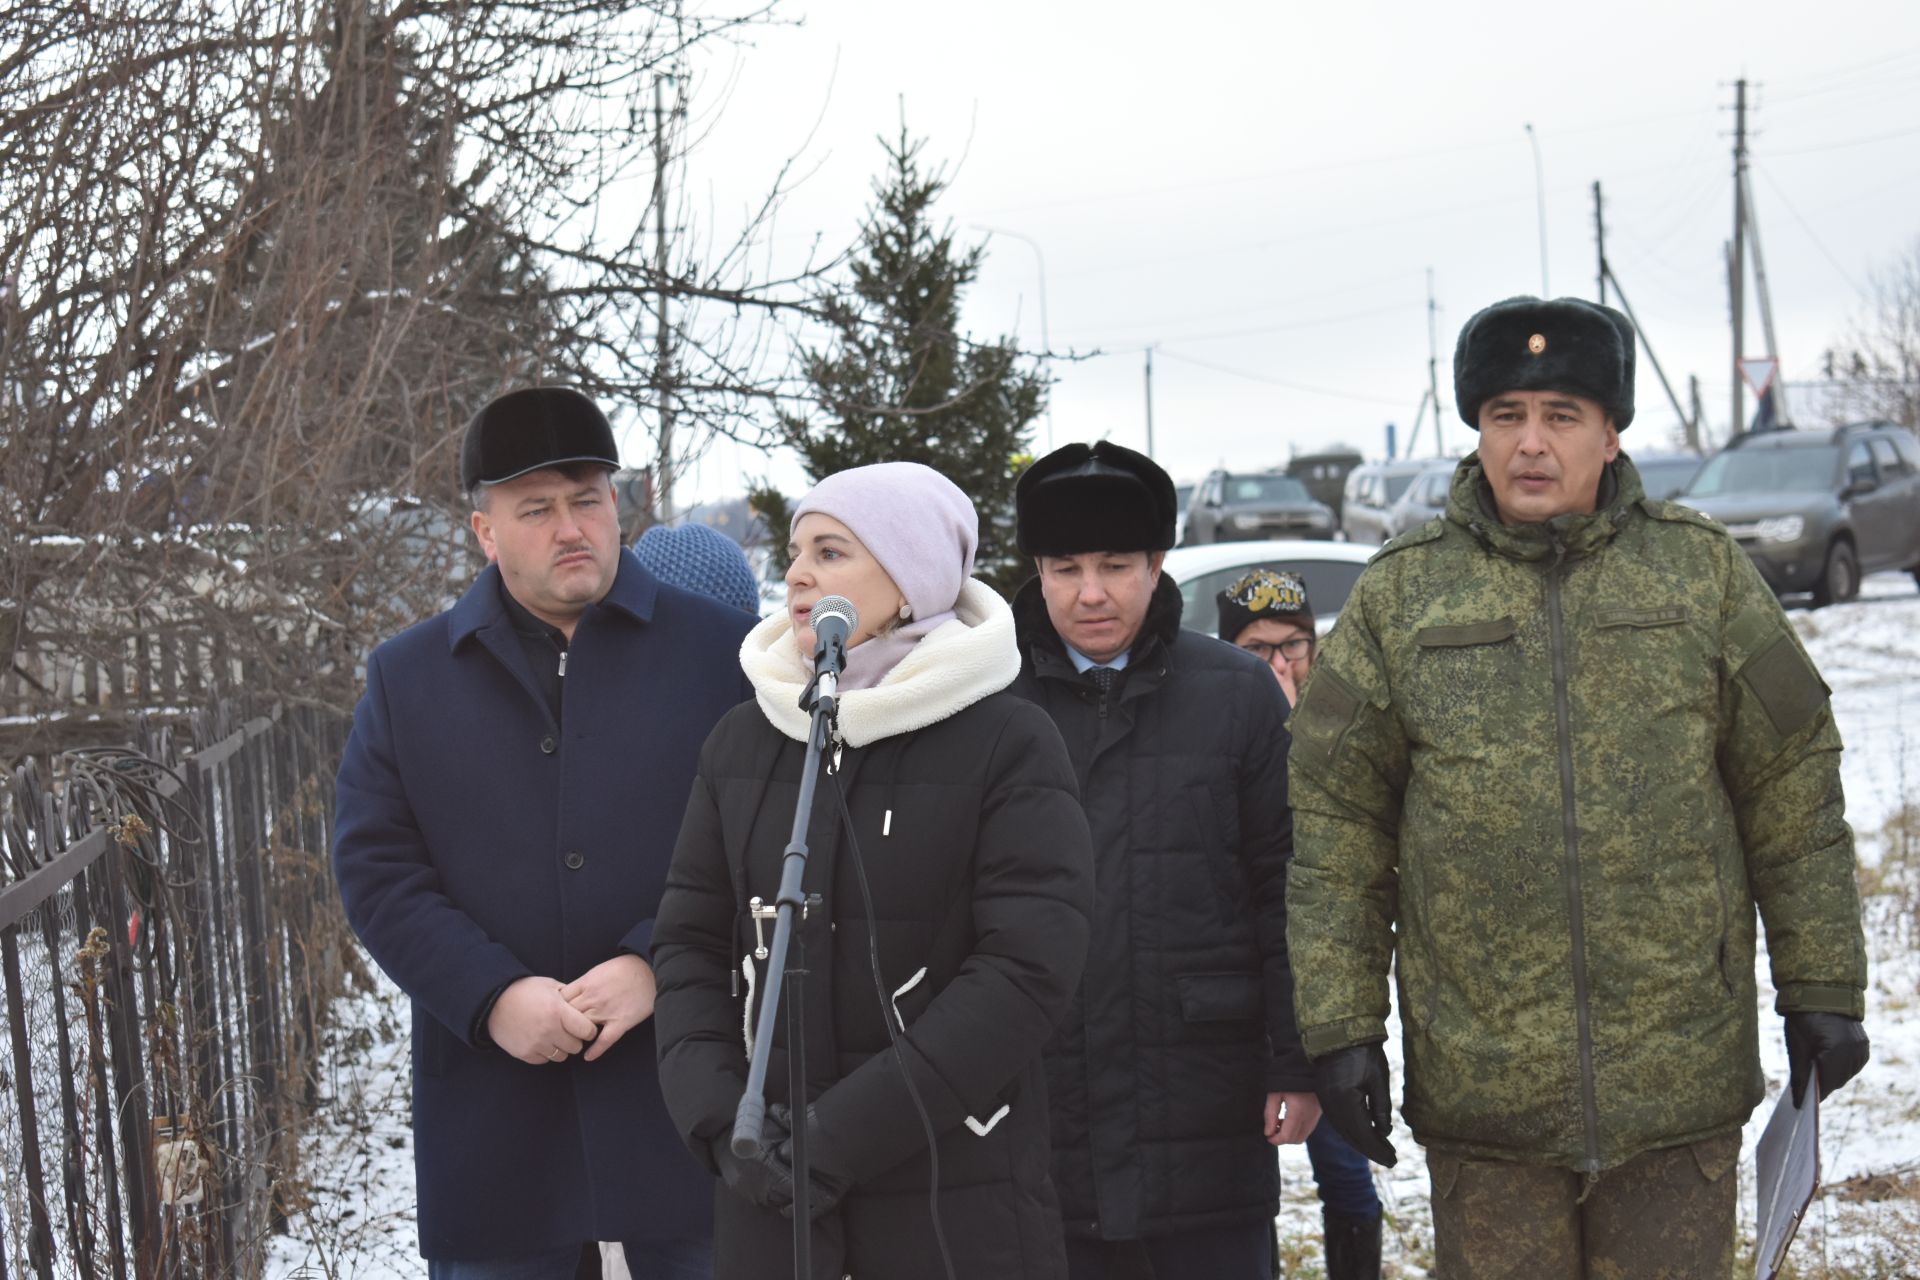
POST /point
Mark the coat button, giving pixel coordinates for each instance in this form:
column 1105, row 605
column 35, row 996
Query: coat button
column 575, row 861
column 548, row 745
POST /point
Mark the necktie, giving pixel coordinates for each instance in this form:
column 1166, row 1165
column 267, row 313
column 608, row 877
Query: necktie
column 1104, row 677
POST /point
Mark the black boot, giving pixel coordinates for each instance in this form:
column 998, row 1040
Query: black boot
column 1353, row 1246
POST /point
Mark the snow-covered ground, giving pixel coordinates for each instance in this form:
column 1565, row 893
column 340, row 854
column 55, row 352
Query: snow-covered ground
column 359, row 1174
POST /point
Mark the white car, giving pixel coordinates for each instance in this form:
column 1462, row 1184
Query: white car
column 1202, row 573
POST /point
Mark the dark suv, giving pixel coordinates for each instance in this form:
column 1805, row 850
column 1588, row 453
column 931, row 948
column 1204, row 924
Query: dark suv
column 1235, row 506
column 1818, row 509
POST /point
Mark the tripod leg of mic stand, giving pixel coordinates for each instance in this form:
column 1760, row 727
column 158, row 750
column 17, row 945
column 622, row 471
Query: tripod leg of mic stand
column 797, row 1101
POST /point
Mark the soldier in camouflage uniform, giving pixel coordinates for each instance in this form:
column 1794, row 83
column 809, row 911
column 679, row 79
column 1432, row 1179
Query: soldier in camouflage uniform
column 1561, row 744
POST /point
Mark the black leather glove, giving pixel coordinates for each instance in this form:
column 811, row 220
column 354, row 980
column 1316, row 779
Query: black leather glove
column 1352, row 1086
column 825, row 1189
column 1833, row 1042
column 765, row 1180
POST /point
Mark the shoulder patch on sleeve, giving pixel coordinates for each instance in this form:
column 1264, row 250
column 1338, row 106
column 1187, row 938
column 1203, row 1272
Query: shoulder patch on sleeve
column 1763, row 655
column 1327, row 710
column 1785, row 684
column 1431, row 531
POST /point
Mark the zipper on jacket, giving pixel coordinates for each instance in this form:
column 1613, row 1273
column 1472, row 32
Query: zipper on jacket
column 1563, row 717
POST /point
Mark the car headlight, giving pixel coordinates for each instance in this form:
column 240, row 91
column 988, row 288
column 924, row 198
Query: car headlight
column 1319, row 519
column 1780, row 529
column 1246, row 522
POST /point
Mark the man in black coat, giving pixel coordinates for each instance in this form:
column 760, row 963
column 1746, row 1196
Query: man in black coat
column 1178, row 1063
column 506, row 809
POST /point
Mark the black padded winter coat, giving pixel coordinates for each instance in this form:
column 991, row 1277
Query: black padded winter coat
column 1184, row 1020
column 978, row 860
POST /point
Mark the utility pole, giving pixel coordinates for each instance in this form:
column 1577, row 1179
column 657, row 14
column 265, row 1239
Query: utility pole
column 1433, row 364
column 1737, row 256
column 1693, row 423
column 1778, row 387
column 1647, row 344
column 664, row 463
column 1540, row 195
column 1149, row 402
column 1600, row 244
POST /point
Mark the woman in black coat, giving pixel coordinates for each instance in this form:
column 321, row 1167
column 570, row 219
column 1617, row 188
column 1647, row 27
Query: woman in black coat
column 976, row 855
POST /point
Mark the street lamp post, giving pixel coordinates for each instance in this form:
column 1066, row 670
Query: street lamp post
column 1046, row 344
column 1540, row 194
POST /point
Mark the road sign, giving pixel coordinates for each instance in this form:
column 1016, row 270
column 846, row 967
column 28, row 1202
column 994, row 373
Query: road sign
column 1759, row 371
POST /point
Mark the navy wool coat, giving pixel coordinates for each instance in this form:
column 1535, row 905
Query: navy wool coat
column 476, row 842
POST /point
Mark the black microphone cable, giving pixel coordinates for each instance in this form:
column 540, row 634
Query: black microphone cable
column 893, row 1035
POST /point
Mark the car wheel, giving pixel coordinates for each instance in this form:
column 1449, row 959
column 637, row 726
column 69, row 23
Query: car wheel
column 1839, row 577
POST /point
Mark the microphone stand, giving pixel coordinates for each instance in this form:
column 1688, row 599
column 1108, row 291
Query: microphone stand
column 791, row 903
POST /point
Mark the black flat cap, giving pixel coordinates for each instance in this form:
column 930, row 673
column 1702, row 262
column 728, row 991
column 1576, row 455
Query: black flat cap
column 1526, row 344
column 532, row 428
column 1097, row 497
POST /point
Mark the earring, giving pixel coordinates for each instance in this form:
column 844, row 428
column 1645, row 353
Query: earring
column 906, row 611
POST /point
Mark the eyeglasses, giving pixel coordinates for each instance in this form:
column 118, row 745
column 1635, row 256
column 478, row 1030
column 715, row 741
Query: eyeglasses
column 1292, row 650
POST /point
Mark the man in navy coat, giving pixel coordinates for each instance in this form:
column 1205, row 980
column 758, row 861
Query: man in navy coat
column 507, row 808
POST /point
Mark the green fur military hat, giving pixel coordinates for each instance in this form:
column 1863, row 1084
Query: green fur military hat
column 1527, row 344
column 1097, row 497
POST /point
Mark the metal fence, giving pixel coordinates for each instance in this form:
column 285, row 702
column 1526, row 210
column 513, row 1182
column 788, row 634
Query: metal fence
column 171, row 938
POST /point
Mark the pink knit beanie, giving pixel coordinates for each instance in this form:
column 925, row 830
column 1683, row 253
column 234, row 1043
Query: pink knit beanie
column 914, row 520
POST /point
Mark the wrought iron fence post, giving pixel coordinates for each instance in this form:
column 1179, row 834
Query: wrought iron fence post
column 129, row 1072
column 39, row 1231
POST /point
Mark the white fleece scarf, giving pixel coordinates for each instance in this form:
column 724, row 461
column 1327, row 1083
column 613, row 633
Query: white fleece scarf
column 955, row 665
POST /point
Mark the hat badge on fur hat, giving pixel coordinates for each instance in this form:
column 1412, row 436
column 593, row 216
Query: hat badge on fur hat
column 1094, row 497
column 1568, row 345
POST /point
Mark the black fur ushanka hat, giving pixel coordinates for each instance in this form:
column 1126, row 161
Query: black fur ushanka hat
column 1526, row 344
column 1097, row 497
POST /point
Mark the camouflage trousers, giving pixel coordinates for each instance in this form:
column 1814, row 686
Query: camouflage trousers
column 1666, row 1213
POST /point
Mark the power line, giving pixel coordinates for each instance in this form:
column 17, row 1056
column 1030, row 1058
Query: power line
column 1135, row 264
column 1829, row 73
column 1849, row 142
column 1293, row 300
column 1811, row 234
column 1357, row 162
column 1284, row 327
column 1278, row 382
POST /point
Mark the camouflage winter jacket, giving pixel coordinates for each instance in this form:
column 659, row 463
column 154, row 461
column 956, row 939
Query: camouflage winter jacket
column 1557, row 767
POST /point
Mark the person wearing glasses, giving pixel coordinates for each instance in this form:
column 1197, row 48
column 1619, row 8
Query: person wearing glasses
column 1267, row 613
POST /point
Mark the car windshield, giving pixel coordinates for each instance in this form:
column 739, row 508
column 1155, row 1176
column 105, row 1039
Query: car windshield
column 1805, row 470
column 1266, row 489
column 1665, row 479
column 1397, row 485
column 1328, row 584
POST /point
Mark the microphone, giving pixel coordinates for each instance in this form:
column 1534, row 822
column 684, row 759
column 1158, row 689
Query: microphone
column 833, row 619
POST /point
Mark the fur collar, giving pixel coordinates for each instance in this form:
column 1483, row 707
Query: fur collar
column 953, row 667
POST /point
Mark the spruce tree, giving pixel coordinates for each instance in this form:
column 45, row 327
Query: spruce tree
column 899, row 383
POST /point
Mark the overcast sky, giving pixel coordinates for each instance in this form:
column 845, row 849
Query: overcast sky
column 1258, row 190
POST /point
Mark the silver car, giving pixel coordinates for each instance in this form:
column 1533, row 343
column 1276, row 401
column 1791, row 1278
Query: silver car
column 1371, row 492
column 1424, row 498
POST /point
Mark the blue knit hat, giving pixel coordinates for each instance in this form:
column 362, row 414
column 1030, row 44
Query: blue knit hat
column 698, row 557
